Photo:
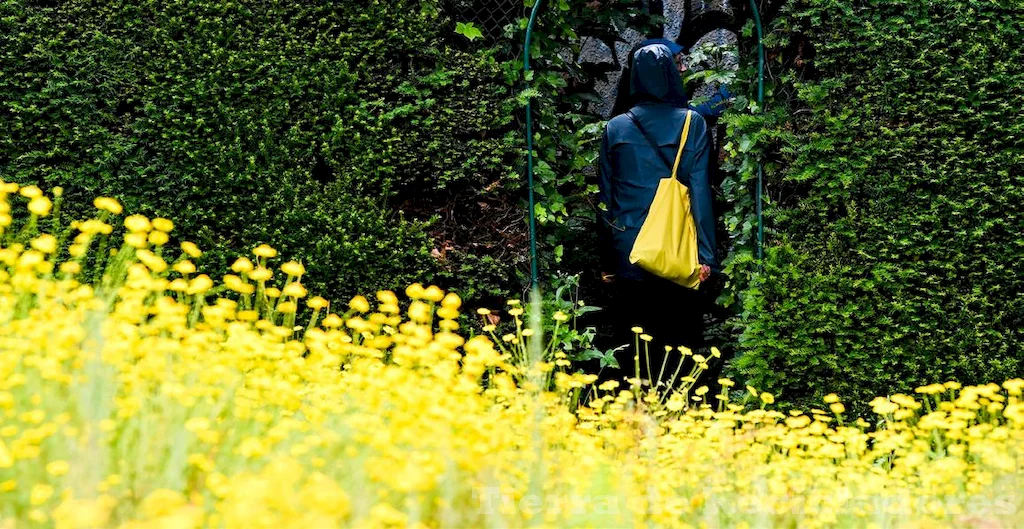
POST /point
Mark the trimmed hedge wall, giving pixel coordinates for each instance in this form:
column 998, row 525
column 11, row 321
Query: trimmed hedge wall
column 896, row 173
column 298, row 124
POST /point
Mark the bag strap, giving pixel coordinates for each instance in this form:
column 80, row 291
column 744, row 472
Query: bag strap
column 682, row 140
column 654, row 145
column 682, row 143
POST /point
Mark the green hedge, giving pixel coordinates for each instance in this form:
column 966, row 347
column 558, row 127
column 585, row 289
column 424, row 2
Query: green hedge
column 299, row 124
column 896, row 175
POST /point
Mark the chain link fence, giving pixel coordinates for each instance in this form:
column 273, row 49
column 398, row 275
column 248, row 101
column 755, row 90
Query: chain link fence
column 491, row 16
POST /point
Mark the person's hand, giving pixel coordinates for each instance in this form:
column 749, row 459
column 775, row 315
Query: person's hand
column 705, row 273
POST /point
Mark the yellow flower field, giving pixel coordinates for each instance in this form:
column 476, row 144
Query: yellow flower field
column 153, row 396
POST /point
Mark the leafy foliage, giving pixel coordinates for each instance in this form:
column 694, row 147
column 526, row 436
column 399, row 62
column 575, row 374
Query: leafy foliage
column 468, row 30
column 894, row 169
column 300, row 125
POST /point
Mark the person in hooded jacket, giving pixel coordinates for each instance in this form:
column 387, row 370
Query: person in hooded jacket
column 628, row 176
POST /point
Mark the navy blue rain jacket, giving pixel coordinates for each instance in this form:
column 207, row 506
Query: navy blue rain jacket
column 630, row 169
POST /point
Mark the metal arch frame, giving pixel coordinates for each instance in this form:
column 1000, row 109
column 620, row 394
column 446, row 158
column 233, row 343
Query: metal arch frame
column 534, row 275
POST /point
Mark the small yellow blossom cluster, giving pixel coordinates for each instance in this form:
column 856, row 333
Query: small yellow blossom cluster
column 154, row 396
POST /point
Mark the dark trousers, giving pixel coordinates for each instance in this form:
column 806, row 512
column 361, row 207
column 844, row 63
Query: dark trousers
column 672, row 316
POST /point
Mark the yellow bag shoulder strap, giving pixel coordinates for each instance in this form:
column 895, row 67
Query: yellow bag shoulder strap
column 682, row 144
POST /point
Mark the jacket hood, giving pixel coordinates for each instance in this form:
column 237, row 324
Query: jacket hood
column 673, row 47
column 655, row 77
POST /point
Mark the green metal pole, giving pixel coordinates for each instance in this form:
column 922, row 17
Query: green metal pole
column 529, row 146
column 759, row 199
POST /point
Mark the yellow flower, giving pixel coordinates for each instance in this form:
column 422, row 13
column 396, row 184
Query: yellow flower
column 108, row 204
column 767, row 398
column 40, row 206
column 41, row 492
column 161, row 502
column 31, row 191
column 6, row 461
column 185, row 267
column 447, row 313
column 883, row 406
column 57, row 468
column 415, row 291
column 433, row 293
column 136, row 240
column 94, row 226
column 137, row 224
column 162, row 224
column 801, row 421
column 560, row 317
column 332, row 321
column 675, row 403
column 200, row 284
column 45, row 243
column 1014, row 386
column 452, row 301
column 295, row 290
column 151, row 260
column 261, row 274
column 293, row 268
column 191, row 250
column 387, row 297
column 242, row 265
column 831, row 398
column 359, row 304
column 317, row 303
column 837, row 408
column 236, row 284
column 84, row 514
column 158, row 238
column 70, row 268
column 265, row 250
column 420, row 312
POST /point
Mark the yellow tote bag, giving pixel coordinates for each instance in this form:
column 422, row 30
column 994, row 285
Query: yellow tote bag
column 667, row 243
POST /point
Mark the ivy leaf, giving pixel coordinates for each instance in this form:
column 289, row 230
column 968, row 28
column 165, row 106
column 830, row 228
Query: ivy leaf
column 468, row 30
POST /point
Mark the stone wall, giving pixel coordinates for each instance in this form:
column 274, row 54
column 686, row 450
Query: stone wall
column 595, row 51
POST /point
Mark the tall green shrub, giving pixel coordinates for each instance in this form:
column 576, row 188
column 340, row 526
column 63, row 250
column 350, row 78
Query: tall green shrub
column 895, row 175
column 292, row 123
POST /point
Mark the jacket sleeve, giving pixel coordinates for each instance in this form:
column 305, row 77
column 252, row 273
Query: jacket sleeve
column 701, row 201
column 604, row 190
column 716, row 105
